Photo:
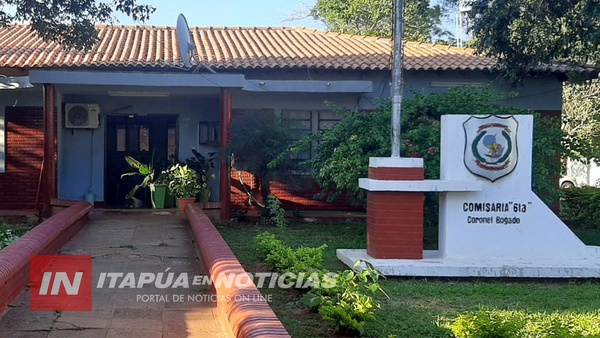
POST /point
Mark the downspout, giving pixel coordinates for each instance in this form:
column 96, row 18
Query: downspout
column 36, row 206
column 49, row 168
column 225, row 164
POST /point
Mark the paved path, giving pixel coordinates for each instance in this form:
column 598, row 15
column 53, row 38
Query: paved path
column 127, row 241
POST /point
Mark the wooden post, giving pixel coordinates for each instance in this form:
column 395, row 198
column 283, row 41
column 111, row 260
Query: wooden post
column 49, row 175
column 225, row 165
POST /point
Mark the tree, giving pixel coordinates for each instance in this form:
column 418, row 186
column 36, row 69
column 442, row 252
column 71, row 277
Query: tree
column 581, row 120
column 375, row 18
column 524, row 34
column 257, row 139
column 69, row 22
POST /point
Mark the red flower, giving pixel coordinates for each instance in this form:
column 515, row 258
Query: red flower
column 432, row 150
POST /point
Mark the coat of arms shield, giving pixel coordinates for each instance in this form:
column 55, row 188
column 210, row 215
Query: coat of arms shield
column 491, row 145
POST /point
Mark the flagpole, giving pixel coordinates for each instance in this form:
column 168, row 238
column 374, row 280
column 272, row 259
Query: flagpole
column 397, row 78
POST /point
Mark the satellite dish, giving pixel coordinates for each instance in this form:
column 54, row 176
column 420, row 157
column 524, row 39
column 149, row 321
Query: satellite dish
column 184, row 43
column 186, row 49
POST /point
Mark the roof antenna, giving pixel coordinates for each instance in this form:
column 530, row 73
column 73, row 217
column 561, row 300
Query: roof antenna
column 186, row 48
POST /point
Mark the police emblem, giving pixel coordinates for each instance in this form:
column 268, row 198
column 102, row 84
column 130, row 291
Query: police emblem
column 491, row 145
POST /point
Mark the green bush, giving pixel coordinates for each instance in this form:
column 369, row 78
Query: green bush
column 582, row 206
column 346, row 300
column 10, row 233
column 487, row 324
column 7, row 237
column 266, row 243
column 343, row 298
column 500, row 324
column 283, row 258
column 273, row 213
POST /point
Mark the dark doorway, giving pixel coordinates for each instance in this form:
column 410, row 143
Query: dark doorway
column 139, row 137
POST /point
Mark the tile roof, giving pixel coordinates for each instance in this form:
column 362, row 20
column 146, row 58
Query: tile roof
column 233, row 48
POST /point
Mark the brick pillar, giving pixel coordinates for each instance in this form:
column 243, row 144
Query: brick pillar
column 395, row 219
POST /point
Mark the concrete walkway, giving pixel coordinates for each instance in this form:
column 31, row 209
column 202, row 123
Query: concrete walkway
column 128, row 241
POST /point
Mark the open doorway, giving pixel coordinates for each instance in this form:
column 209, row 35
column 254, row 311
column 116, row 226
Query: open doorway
column 143, row 138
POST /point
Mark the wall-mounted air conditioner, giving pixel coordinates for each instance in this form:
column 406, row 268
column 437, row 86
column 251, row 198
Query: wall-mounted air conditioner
column 81, row 115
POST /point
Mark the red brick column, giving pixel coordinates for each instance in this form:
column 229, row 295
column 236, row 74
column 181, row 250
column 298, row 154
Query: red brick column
column 395, row 219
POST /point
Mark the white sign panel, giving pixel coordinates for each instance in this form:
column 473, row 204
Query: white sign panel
column 505, row 220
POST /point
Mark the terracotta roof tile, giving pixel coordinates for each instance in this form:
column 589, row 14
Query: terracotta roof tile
column 234, row 48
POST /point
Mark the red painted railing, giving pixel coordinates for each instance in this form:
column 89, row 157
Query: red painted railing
column 45, row 239
column 240, row 307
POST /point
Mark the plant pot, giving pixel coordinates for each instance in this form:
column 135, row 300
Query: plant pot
column 204, row 195
column 170, row 200
column 183, row 202
column 160, row 193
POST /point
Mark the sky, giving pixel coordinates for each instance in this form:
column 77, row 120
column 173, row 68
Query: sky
column 230, row 13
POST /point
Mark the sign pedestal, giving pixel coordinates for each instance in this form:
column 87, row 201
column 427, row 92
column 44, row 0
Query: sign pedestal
column 491, row 223
column 395, row 219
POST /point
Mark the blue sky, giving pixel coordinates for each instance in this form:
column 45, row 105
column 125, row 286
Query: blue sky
column 231, row 13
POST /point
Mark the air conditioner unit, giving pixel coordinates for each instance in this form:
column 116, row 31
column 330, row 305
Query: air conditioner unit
column 81, row 115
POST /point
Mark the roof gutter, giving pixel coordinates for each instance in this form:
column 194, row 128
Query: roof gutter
column 64, row 77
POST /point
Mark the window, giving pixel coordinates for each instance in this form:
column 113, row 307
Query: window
column 121, row 138
column 132, row 137
column 144, row 138
column 209, row 133
column 2, row 145
column 329, row 118
column 311, row 122
column 171, row 141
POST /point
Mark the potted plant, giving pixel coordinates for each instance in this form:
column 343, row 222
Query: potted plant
column 161, row 187
column 144, row 170
column 202, row 165
column 183, row 184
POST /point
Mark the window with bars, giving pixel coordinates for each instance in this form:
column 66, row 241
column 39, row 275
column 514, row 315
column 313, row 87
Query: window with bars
column 302, row 121
column 310, row 121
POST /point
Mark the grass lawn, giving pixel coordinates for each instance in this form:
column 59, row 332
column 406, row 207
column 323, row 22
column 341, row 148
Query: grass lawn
column 417, row 307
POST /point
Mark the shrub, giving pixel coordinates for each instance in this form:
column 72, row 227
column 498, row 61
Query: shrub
column 283, row 258
column 11, row 233
column 7, row 237
column 487, row 324
column 581, row 205
column 266, row 243
column 273, row 213
column 500, row 324
column 257, row 139
column 349, row 303
column 343, row 298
